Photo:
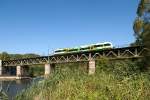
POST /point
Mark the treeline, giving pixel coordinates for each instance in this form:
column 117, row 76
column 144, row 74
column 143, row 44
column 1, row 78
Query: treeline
column 6, row 56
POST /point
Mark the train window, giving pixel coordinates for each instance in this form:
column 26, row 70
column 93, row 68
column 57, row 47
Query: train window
column 106, row 44
column 86, row 48
column 98, row 46
column 73, row 50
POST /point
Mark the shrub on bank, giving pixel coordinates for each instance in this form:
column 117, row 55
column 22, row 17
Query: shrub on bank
column 36, row 71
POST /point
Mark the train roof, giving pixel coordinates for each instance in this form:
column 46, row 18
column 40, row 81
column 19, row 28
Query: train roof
column 103, row 43
column 84, row 46
column 96, row 44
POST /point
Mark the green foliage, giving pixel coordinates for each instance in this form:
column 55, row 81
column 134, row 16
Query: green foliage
column 30, row 55
column 15, row 56
column 36, row 70
column 138, row 27
column 113, row 80
column 4, row 56
column 142, row 7
column 142, row 23
column 118, row 67
column 3, row 96
column 142, row 29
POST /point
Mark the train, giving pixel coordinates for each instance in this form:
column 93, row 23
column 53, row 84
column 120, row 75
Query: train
column 85, row 48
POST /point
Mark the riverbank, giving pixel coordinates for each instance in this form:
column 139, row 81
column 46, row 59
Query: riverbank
column 11, row 78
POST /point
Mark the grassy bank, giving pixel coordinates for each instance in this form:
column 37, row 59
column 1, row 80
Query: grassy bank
column 117, row 80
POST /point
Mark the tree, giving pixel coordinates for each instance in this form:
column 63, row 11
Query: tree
column 142, row 27
column 4, row 56
column 142, row 22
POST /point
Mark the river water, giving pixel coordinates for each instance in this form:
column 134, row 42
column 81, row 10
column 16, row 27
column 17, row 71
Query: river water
column 12, row 88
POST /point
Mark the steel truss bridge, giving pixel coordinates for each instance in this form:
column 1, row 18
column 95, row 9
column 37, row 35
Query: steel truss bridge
column 115, row 53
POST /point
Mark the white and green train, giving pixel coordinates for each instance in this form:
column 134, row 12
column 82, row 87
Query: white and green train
column 91, row 47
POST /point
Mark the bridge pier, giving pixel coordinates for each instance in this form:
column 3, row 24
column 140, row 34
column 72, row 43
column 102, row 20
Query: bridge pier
column 19, row 72
column 91, row 69
column 1, row 69
column 47, row 69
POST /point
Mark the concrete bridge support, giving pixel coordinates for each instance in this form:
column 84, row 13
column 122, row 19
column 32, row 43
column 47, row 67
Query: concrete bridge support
column 18, row 72
column 1, row 70
column 91, row 69
column 47, row 69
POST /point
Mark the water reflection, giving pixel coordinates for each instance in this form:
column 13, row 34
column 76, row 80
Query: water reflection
column 11, row 88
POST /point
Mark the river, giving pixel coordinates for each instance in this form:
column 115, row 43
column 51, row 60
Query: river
column 12, row 88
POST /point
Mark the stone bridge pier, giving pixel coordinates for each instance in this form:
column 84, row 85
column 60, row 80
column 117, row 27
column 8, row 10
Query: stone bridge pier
column 91, row 67
column 1, row 71
column 21, row 71
column 18, row 72
column 49, row 68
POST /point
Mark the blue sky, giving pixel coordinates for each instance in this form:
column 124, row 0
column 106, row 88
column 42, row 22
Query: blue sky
column 34, row 26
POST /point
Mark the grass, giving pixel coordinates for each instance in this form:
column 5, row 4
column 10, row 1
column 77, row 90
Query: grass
column 3, row 96
column 120, row 80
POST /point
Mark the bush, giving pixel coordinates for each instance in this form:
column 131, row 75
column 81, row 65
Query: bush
column 118, row 67
column 36, row 71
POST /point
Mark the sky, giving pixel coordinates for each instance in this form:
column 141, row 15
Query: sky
column 39, row 26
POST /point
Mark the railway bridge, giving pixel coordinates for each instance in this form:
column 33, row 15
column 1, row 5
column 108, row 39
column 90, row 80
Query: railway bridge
column 132, row 52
